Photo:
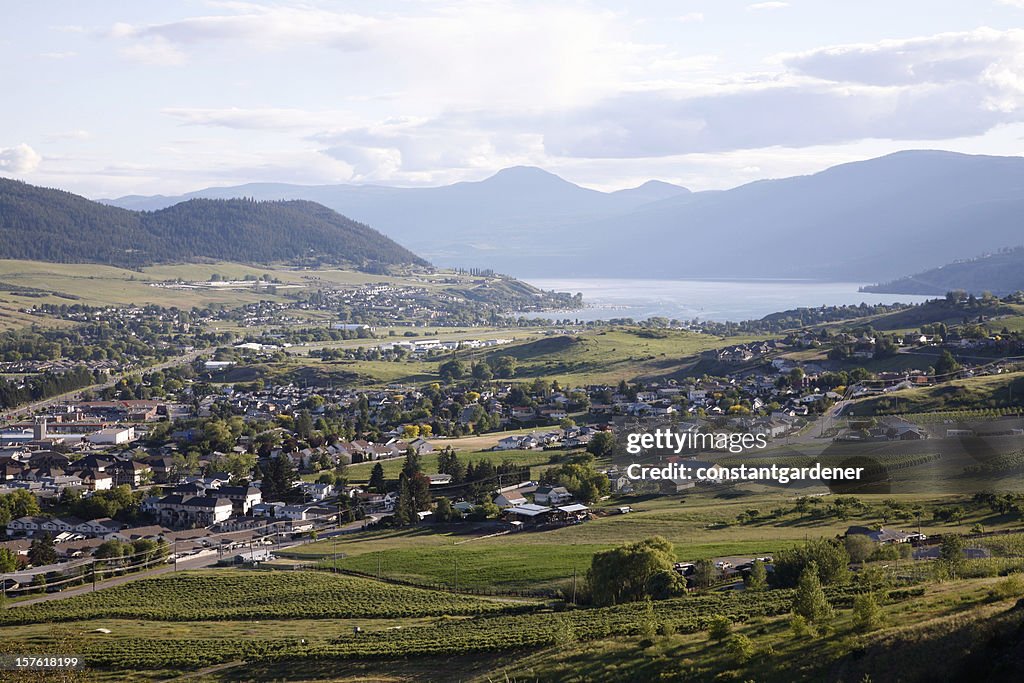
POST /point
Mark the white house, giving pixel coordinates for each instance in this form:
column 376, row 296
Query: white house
column 551, row 495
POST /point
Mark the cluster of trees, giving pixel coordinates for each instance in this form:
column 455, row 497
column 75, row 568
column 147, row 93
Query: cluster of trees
column 501, row 366
column 1001, row 504
column 579, row 478
column 18, row 503
column 829, row 559
column 413, row 491
column 143, row 550
column 119, row 503
column 37, row 387
column 633, row 572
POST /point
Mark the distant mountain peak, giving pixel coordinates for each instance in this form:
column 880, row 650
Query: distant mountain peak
column 654, row 190
column 525, row 174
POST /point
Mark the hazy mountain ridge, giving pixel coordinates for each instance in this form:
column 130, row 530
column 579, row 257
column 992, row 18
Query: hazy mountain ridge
column 498, row 222
column 1000, row 273
column 867, row 221
column 53, row 225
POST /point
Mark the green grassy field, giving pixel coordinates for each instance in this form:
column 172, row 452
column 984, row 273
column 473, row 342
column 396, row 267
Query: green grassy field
column 591, row 357
column 993, row 391
column 608, row 356
column 360, row 473
column 700, row 527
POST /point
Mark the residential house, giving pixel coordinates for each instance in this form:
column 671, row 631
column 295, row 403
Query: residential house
column 551, row 495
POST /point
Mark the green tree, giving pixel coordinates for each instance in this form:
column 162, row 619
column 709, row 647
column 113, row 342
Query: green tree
column 444, row 512
column 741, row 648
column 829, row 557
column 951, row 554
column 278, row 478
column 810, row 601
column 621, row 574
column 758, row 579
column 8, row 561
column 411, row 467
column 304, row 424
column 377, row 483
column 704, row 574
column 41, row 551
column 665, row 584
column 867, row 615
column 405, row 510
column 452, row 370
column 482, row 372
column 602, row 444
column 719, row 627
column 503, row 366
column 859, row 547
column 946, row 364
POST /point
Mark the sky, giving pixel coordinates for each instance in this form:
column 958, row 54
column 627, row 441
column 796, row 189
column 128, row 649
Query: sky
column 153, row 97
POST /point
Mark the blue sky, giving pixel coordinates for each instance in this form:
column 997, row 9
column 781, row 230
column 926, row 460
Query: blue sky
column 107, row 99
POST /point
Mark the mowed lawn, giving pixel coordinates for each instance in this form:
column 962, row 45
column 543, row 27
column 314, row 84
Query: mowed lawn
column 360, row 472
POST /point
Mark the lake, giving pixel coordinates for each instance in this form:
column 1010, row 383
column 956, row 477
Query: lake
column 717, row 300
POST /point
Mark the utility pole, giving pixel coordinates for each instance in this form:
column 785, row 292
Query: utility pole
column 456, row 573
column 574, row 585
column 378, row 566
column 94, row 576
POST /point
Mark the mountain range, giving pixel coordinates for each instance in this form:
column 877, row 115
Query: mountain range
column 866, row 221
column 1000, row 273
column 52, row 225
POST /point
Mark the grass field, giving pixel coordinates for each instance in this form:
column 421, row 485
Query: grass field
column 608, row 356
column 993, row 391
column 700, row 526
column 360, row 473
column 591, row 357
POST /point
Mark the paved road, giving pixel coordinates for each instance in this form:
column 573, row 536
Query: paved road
column 199, row 561
column 196, row 562
column 29, row 408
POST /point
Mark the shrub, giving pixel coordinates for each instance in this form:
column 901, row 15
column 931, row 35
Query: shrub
column 867, row 616
column 720, row 627
column 741, row 647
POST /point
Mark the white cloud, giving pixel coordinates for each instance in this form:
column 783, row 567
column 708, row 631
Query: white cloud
column 258, row 119
column 57, row 55
column 78, row 134
column 942, row 58
column 19, row 159
column 461, row 54
column 155, row 50
column 692, row 18
column 757, row 6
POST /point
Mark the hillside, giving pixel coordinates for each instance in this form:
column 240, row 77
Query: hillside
column 1000, row 273
column 868, row 221
column 51, row 225
column 497, row 222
